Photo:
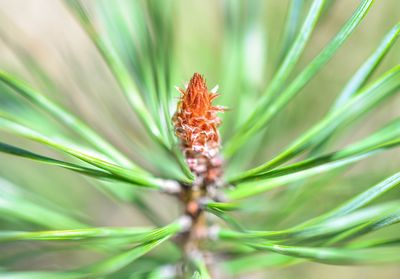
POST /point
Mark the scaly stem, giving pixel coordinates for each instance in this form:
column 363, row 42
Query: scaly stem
column 196, row 123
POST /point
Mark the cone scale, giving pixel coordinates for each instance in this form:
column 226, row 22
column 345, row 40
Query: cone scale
column 196, row 122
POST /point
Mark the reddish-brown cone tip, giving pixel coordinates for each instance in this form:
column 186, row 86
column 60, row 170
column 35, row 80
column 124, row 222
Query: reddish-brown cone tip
column 196, row 122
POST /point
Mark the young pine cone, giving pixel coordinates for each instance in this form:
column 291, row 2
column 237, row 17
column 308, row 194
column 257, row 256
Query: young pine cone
column 196, row 122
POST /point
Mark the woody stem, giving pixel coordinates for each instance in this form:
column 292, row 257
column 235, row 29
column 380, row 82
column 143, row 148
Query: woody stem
column 191, row 241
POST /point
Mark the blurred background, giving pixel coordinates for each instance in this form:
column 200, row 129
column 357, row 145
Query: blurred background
column 43, row 43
